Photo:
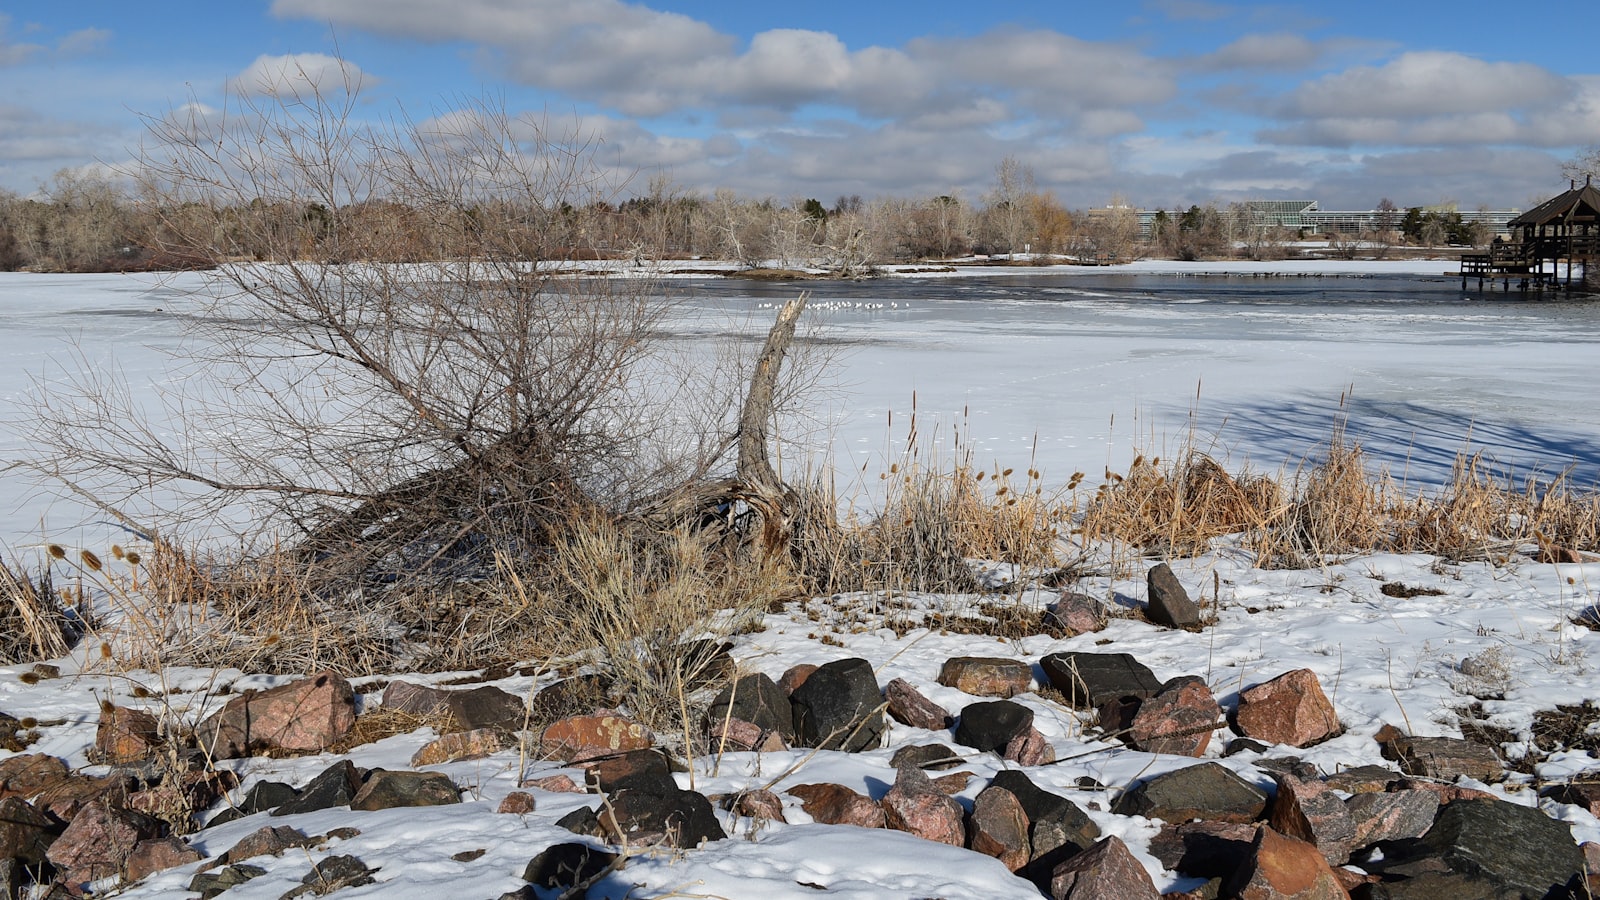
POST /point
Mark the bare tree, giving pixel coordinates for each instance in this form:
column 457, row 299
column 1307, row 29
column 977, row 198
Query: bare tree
column 1583, row 167
column 397, row 421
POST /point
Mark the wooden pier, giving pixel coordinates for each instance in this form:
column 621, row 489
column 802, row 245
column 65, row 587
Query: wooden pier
column 1554, row 246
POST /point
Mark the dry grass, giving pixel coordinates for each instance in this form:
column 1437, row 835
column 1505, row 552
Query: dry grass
column 33, row 624
column 1179, row 508
column 936, row 513
column 1338, row 506
column 652, row 607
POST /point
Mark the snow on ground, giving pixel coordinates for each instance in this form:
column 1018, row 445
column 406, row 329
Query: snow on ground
column 1381, row 660
column 1071, row 366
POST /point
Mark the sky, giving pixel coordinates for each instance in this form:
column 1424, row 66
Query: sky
column 1159, row 103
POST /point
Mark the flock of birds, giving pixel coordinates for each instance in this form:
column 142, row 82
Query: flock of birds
column 832, row 305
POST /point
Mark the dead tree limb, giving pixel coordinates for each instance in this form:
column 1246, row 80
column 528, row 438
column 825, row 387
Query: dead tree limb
column 755, row 483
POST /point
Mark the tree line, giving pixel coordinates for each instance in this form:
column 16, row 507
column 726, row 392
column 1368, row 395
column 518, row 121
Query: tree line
column 86, row 223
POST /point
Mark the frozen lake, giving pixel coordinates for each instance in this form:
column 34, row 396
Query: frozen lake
column 1061, row 371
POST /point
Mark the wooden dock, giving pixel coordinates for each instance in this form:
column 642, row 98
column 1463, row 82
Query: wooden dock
column 1552, row 243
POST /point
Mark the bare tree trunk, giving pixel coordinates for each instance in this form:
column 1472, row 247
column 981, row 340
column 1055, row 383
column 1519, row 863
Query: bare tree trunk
column 755, row 483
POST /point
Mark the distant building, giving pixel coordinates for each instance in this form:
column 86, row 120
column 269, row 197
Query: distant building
column 1306, row 215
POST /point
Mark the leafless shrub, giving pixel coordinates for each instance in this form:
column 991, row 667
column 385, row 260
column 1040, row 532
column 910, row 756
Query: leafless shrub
column 390, row 430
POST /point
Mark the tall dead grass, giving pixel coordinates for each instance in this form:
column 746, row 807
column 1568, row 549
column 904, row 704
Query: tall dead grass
column 1339, row 505
column 937, row 513
column 34, row 625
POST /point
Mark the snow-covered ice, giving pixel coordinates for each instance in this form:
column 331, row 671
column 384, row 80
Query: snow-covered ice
column 1074, row 370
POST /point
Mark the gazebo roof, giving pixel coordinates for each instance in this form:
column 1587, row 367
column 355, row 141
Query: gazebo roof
column 1581, row 204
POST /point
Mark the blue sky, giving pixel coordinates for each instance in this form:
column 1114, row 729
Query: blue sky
column 1162, row 102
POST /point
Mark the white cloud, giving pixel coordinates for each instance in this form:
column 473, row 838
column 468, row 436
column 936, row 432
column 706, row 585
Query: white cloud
column 1264, row 51
column 301, row 74
column 11, row 52
column 84, row 41
column 1428, row 83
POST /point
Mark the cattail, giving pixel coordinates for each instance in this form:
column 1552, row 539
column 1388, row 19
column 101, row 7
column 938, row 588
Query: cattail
column 90, row 560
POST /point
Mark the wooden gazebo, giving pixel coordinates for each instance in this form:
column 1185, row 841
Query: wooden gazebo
column 1563, row 229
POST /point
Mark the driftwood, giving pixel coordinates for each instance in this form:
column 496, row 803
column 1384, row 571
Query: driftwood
column 755, row 484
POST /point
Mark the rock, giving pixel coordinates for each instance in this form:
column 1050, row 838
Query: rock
column 954, row 783
column 65, row 798
column 998, row 827
column 1089, row 680
column 420, row 700
column 1169, row 603
column 304, row 716
column 986, row 676
column 27, row 774
column 486, row 707
column 178, row 796
column 1074, row 614
column 1205, row 791
column 1178, row 719
column 555, row 784
column 1057, row 828
column 739, row 736
column 212, row 884
column 583, row 738
column 517, row 803
column 914, row 806
column 1290, row 709
column 1203, row 849
column 837, row 708
column 908, row 706
column 124, row 735
column 392, row 790
column 704, row 662
column 758, row 700
column 1444, row 759
column 1447, row 793
column 1396, row 816
column 334, row 786
column 1280, row 867
column 265, row 842
column 834, row 804
column 157, row 855
column 1584, row 794
column 475, row 744
column 639, row 818
column 1310, row 811
column 1108, row 869
column 334, row 873
column 1363, row 779
column 1515, row 850
column 926, row 756
column 764, row 806
column 25, row 833
column 649, row 769
column 263, row 796
column 580, row 695
column 1029, row 748
column 583, row 821
column 97, row 843
column 795, row 676
column 565, row 865
column 990, row 725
